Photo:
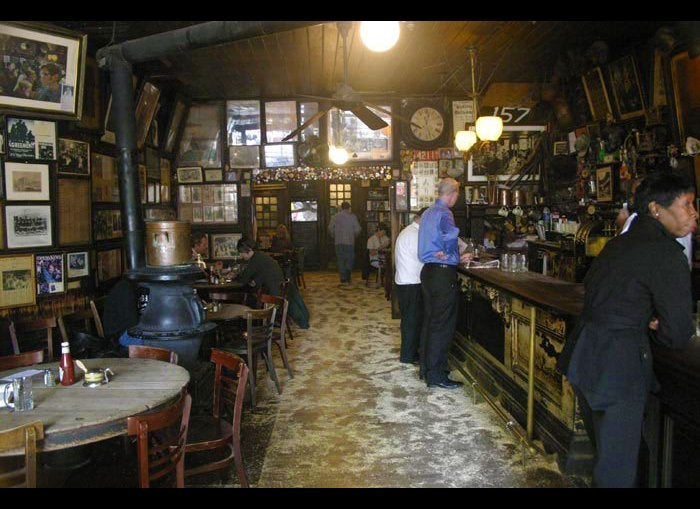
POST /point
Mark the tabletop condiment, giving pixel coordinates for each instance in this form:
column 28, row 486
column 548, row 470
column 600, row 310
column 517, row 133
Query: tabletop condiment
column 66, row 369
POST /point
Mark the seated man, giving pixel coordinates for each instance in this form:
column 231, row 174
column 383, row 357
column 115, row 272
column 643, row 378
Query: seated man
column 261, row 271
column 376, row 242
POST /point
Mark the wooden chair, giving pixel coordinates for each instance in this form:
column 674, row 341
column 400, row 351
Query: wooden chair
column 22, row 359
column 83, row 320
column 18, row 329
column 160, row 456
column 257, row 339
column 153, row 352
column 298, row 264
column 284, row 289
column 97, row 306
column 210, row 432
column 278, row 334
column 22, row 437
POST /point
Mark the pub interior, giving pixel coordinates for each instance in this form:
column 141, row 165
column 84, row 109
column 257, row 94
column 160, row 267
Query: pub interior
column 123, row 144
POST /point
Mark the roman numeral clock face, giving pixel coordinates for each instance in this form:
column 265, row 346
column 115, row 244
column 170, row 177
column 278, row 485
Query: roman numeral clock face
column 427, row 127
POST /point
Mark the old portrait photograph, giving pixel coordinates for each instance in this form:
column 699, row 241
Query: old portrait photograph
column 73, row 157
column 49, row 273
column 28, row 225
column 78, row 264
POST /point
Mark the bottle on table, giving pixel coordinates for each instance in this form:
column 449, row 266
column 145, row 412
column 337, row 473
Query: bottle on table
column 66, row 368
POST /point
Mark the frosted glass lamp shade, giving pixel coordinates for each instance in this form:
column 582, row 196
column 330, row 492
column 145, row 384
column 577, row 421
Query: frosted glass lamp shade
column 379, row 35
column 338, row 155
column 464, row 140
column 489, row 128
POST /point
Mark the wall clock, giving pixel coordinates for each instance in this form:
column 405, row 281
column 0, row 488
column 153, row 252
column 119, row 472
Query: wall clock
column 427, row 127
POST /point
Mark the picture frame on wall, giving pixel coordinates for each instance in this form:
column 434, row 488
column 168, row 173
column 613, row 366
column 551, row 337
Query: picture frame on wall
column 92, row 99
column 50, row 277
column 604, row 183
column 627, row 91
column 145, row 111
column 179, row 112
column 684, row 72
column 17, row 276
column 73, row 157
column 658, row 81
column 28, row 226
column 2, row 138
column 31, row 139
column 28, row 182
column 596, row 94
column 73, row 216
column 109, row 265
column 401, row 196
column 189, row 174
column 213, row 175
column 59, row 54
column 224, row 246
column 77, row 264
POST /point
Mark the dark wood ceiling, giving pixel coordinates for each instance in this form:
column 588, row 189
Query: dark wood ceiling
column 429, row 59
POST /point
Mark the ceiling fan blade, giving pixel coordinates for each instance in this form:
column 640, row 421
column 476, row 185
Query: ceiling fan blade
column 306, row 124
column 370, row 119
column 316, row 97
column 395, row 115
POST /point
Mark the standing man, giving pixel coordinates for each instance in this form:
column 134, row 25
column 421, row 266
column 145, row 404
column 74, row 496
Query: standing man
column 408, row 289
column 438, row 250
column 344, row 228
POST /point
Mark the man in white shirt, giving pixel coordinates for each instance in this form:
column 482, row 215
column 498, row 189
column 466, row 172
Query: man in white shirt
column 376, row 242
column 408, row 289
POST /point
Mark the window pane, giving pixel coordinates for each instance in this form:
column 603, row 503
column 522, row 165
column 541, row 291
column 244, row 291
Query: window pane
column 306, row 111
column 362, row 143
column 244, row 157
column 200, row 144
column 243, row 122
column 280, row 120
column 279, row 155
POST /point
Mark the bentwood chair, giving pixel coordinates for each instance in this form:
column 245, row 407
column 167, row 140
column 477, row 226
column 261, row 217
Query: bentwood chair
column 41, row 329
column 153, row 352
column 279, row 332
column 212, row 432
column 257, row 340
column 22, row 437
column 161, row 455
column 21, row 360
column 284, row 290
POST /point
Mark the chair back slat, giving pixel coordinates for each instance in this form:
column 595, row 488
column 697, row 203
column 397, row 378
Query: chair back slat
column 20, row 360
column 97, row 308
column 161, row 456
column 153, row 352
column 22, row 437
column 20, row 328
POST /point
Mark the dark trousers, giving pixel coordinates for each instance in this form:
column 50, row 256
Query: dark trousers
column 345, row 257
column 411, row 307
column 440, row 291
column 615, row 428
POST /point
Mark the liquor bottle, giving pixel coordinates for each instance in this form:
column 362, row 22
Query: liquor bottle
column 66, row 369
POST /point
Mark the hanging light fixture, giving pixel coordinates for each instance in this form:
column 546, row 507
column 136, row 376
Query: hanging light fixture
column 336, row 151
column 488, row 128
column 379, row 35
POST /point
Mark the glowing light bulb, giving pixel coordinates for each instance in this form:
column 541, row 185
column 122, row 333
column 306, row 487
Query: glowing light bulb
column 338, row 155
column 489, row 128
column 464, row 140
column 379, row 35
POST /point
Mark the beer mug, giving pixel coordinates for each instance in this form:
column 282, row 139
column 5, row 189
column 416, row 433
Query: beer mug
column 18, row 395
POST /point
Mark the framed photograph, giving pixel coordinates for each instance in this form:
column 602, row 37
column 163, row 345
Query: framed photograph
column 73, row 211
column 658, row 81
column 92, row 100
column 213, row 175
column 604, row 183
column 152, row 163
column 231, row 176
column 78, row 264
column 145, row 111
column 627, row 91
column 107, row 224
column 109, row 264
column 17, row 281
column 244, row 156
column 201, row 137
column 189, row 174
column 31, row 139
column 224, row 245
column 596, row 94
column 49, row 64
column 28, row 226
column 73, row 157
column 561, row 148
column 401, row 196
column 105, row 180
column 686, row 95
column 505, row 157
column 27, row 181
column 179, row 111
column 49, row 273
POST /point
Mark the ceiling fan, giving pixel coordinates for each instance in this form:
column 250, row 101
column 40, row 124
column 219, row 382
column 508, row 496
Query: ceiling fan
column 345, row 98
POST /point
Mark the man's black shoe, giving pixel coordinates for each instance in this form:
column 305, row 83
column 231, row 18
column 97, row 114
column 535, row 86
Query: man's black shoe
column 446, row 384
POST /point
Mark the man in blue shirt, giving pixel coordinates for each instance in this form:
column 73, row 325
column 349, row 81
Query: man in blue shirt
column 438, row 250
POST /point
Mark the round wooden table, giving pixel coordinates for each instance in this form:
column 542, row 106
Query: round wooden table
column 77, row 415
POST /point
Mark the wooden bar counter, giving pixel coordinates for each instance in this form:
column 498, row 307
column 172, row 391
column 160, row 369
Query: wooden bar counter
column 491, row 348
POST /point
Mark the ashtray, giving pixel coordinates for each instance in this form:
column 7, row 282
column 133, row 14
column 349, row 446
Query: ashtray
column 97, row 376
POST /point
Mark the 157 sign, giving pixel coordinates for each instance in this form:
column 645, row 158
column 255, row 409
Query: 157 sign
column 511, row 114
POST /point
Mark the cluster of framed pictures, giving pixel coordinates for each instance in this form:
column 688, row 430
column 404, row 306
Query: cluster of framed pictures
column 208, row 203
column 24, row 276
column 625, row 86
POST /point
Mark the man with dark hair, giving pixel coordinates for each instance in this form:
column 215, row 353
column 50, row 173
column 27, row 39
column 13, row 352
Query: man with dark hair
column 200, row 244
column 344, row 228
column 262, row 271
column 408, row 289
column 50, row 89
